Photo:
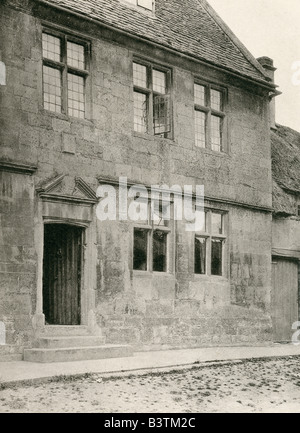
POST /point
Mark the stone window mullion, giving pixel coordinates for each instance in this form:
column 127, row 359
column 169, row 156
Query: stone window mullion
column 64, row 76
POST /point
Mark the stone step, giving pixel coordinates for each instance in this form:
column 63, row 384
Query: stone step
column 10, row 352
column 64, row 330
column 11, row 357
column 77, row 353
column 70, row 341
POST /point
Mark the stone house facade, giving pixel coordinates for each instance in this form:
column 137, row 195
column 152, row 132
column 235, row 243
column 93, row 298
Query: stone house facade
column 157, row 93
column 285, row 232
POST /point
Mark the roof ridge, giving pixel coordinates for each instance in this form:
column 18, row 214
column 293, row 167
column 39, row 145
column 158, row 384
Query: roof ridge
column 234, row 39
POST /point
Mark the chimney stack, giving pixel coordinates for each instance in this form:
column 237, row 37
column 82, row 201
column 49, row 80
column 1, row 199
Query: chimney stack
column 269, row 68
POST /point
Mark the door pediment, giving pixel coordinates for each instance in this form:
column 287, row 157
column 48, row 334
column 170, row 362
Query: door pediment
column 66, row 189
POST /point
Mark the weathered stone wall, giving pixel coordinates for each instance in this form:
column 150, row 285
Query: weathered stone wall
column 184, row 309
column 157, row 310
column 286, row 233
column 17, row 257
column 105, row 143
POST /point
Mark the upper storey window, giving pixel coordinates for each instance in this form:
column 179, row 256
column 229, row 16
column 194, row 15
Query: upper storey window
column 152, row 100
column 209, row 115
column 65, row 72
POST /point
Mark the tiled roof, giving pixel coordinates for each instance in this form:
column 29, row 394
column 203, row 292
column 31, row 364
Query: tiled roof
column 188, row 26
column 286, row 158
column 285, row 168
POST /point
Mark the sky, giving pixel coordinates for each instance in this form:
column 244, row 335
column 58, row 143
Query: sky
column 271, row 28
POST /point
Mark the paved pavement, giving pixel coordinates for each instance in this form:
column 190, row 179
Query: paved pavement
column 16, row 371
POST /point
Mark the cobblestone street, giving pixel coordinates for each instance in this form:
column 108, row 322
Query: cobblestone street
column 240, row 386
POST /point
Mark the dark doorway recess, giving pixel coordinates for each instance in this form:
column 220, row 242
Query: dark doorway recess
column 62, row 267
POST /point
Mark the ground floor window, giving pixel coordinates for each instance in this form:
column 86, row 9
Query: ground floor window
column 140, row 249
column 209, row 245
column 150, row 250
column 200, row 255
column 152, row 243
column 159, row 245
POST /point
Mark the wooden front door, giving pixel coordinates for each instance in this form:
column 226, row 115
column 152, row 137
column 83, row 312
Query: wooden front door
column 62, row 274
column 285, row 298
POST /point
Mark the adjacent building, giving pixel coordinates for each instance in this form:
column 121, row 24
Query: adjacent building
column 286, row 231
